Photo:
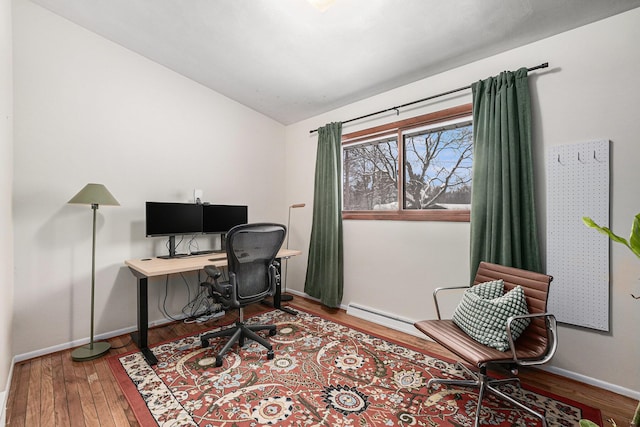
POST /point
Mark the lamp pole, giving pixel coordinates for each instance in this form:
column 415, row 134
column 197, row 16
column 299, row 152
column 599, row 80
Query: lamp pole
column 286, row 261
column 94, row 207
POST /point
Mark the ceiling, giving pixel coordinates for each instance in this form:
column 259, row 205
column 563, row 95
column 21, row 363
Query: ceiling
column 291, row 61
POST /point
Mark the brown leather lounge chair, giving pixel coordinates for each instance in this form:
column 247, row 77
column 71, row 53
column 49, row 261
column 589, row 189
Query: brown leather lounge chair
column 535, row 346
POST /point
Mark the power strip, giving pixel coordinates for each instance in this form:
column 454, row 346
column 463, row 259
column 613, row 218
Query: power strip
column 211, row 316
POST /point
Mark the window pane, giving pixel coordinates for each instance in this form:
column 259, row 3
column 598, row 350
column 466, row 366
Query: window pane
column 437, row 168
column 371, row 176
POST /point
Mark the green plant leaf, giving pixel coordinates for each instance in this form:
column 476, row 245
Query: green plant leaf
column 604, row 230
column 587, row 423
column 634, row 240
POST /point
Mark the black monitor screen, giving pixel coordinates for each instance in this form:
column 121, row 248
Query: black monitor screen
column 169, row 219
column 222, row 218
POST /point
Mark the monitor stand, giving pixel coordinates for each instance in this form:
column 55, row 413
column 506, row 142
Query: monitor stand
column 223, row 244
column 172, row 250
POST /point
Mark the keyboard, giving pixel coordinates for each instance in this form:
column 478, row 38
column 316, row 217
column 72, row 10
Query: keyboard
column 202, row 252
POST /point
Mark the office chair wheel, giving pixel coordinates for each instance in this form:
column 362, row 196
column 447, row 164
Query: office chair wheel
column 218, row 361
column 270, row 354
column 204, row 342
column 272, row 332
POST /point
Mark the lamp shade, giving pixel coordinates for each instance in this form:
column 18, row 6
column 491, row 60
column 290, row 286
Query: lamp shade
column 94, row 194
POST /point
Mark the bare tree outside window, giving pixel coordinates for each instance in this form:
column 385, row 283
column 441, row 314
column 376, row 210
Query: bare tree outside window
column 415, row 169
column 437, row 168
column 371, row 175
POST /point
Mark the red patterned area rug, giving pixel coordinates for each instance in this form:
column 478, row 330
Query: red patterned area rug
column 323, row 374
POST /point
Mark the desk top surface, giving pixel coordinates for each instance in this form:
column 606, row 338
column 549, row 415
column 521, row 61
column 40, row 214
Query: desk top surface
column 150, row 267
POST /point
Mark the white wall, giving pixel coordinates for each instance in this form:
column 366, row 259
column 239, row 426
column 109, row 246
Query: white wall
column 87, row 110
column 6, row 180
column 589, row 92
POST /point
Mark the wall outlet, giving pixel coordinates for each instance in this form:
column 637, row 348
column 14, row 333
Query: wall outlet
column 197, row 196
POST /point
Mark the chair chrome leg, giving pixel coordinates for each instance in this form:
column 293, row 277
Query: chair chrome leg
column 485, row 384
column 463, row 383
column 474, row 382
column 495, row 382
column 482, row 388
column 518, row 404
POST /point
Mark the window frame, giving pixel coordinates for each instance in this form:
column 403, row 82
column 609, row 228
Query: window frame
column 399, row 128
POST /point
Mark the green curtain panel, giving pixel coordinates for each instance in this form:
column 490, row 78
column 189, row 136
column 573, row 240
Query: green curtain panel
column 503, row 218
column 325, row 268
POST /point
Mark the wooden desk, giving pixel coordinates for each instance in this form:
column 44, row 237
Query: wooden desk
column 144, row 268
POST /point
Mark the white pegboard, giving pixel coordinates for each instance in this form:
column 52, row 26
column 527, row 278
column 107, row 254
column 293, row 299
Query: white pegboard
column 578, row 256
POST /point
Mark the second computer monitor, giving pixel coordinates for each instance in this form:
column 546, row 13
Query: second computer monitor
column 222, row 218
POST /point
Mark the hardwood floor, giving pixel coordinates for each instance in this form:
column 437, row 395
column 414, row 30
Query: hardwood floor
column 53, row 390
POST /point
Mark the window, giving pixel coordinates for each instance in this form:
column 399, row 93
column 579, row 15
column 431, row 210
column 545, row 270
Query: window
column 415, row 169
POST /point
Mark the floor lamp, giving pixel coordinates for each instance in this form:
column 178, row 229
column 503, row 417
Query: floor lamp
column 94, row 195
column 286, row 261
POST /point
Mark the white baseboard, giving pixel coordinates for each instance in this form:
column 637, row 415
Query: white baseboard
column 592, row 381
column 4, row 396
column 83, row 341
column 385, row 319
column 3, row 408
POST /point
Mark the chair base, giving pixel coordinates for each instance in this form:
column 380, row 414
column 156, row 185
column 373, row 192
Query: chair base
column 485, row 383
column 238, row 334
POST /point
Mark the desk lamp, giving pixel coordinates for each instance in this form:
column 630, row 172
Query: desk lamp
column 94, row 195
column 286, row 271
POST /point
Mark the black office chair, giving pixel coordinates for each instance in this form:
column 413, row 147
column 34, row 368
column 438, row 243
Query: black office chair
column 253, row 276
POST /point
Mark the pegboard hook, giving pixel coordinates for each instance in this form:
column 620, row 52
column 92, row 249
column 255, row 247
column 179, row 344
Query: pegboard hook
column 595, row 158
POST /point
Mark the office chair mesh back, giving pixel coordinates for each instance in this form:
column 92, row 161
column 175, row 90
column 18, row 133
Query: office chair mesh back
column 251, row 249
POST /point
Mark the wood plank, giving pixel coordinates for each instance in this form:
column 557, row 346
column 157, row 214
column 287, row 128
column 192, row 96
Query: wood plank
column 60, row 399
column 113, row 396
column 87, row 402
column 16, row 416
column 47, row 414
column 120, row 345
column 12, row 395
column 104, row 416
column 32, row 417
column 74, row 404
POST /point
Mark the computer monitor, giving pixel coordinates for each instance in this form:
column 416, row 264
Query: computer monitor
column 173, row 219
column 222, row 218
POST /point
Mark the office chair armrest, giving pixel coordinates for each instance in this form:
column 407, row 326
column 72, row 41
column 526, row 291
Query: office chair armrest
column 446, row 288
column 274, row 276
column 219, row 291
column 550, row 322
column 212, row 271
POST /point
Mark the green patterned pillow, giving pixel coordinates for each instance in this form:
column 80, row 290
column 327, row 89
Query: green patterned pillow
column 483, row 312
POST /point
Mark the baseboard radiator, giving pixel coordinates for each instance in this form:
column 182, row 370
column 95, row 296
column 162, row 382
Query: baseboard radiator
column 385, row 319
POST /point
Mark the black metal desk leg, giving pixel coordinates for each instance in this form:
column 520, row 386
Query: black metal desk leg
column 277, row 297
column 140, row 337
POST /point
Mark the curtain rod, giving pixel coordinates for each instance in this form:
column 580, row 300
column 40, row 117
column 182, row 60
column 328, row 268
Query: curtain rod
column 537, row 67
